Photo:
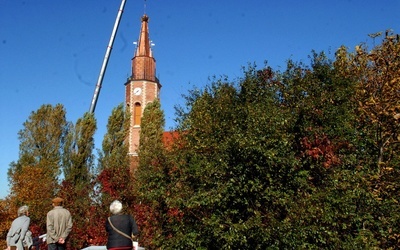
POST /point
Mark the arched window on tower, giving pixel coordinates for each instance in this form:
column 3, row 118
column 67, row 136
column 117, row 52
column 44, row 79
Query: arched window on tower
column 137, row 114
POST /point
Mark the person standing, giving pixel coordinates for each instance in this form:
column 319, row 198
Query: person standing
column 120, row 228
column 19, row 229
column 58, row 225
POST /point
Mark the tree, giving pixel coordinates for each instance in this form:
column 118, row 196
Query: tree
column 78, row 152
column 7, row 215
column 114, row 180
column 233, row 175
column 377, row 74
column 151, row 177
column 271, row 161
column 113, row 167
column 34, row 177
column 77, row 186
column 333, row 204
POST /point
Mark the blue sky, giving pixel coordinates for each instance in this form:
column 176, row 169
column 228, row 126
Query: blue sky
column 51, row 51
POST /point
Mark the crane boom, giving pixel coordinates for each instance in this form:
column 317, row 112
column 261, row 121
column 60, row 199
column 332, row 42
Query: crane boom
column 106, row 58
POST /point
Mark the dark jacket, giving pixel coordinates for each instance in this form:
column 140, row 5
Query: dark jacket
column 124, row 223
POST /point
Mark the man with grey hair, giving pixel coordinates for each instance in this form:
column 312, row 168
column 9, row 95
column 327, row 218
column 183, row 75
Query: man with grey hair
column 58, row 224
column 19, row 229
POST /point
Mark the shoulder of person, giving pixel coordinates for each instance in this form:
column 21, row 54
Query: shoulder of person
column 22, row 218
column 127, row 216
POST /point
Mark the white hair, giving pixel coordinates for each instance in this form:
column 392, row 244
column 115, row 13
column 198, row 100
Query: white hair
column 116, row 207
column 23, row 210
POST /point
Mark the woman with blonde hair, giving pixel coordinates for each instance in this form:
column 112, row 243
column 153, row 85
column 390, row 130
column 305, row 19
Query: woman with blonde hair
column 19, row 229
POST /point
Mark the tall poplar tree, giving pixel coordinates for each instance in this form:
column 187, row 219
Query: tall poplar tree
column 151, row 177
column 77, row 186
column 34, row 177
column 78, row 155
column 113, row 180
column 114, row 175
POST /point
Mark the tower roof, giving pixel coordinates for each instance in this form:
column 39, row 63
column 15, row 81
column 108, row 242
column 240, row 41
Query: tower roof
column 143, row 62
column 143, row 47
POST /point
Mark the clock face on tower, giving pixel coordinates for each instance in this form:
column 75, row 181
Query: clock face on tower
column 137, row 91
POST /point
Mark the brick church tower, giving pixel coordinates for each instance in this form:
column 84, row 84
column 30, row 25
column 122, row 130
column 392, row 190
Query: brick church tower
column 141, row 88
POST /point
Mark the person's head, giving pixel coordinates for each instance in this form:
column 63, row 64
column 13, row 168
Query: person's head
column 116, row 207
column 58, row 201
column 24, row 210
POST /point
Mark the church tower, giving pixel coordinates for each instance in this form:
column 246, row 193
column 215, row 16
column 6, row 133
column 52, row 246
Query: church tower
column 141, row 88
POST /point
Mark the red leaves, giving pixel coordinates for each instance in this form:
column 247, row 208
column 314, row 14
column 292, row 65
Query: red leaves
column 95, row 232
column 320, row 148
column 114, row 181
column 146, row 220
column 105, row 180
column 175, row 214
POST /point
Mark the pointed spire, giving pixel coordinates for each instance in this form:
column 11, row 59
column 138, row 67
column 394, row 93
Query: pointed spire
column 143, row 62
column 143, row 48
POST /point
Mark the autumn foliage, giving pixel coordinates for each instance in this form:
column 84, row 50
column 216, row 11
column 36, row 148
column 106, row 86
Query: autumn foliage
column 304, row 158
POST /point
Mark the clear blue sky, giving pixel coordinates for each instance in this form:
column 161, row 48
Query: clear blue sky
column 51, row 51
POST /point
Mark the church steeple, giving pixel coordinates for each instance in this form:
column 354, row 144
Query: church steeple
column 143, row 62
column 142, row 86
column 144, row 48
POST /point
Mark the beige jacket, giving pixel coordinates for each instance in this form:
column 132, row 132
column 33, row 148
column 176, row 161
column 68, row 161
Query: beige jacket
column 58, row 224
